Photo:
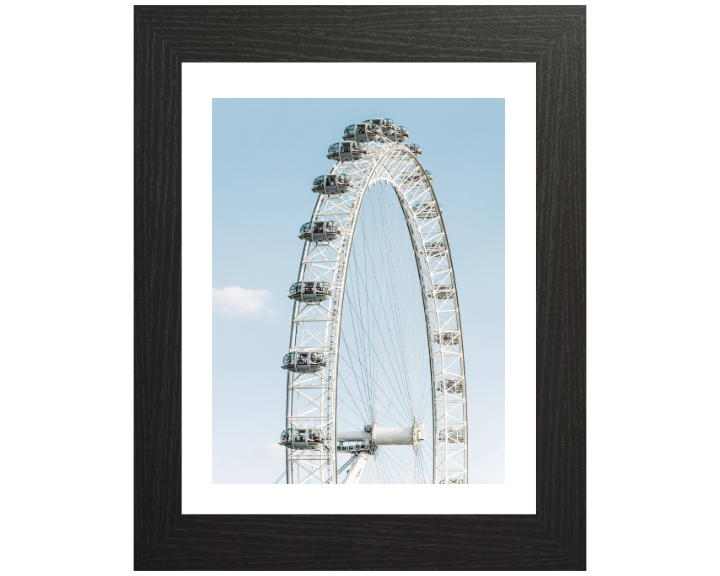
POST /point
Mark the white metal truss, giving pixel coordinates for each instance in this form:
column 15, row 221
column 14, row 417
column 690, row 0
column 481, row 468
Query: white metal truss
column 312, row 397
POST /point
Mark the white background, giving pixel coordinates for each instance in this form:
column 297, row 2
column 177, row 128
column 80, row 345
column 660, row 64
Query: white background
column 515, row 83
column 66, row 225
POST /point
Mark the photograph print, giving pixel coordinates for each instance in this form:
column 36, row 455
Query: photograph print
column 358, row 291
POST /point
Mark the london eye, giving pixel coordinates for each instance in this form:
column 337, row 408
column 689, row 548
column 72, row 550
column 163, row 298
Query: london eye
column 376, row 389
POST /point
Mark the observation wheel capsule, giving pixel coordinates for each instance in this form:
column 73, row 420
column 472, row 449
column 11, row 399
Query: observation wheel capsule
column 453, row 435
column 442, row 291
column 426, row 209
column 332, row 184
column 446, row 337
column 450, row 385
column 302, row 438
column 414, row 148
column 363, row 132
column 387, row 125
column 416, row 175
column 345, row 150
column 436, row 248
column 314, row 291
column 356, row 446
column 302, row 362
column 320, row 231
column 455, row 480
column 401, row 134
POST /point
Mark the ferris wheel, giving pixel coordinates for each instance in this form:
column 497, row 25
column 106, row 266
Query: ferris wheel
column 376, row 389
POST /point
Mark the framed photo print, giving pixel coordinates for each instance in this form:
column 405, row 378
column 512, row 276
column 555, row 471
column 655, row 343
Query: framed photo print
column 401, row 191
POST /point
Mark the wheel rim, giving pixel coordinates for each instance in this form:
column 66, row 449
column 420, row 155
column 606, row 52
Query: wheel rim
column 312, row 398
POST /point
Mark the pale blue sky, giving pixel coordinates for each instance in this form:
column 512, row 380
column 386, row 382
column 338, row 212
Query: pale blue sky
column 266, row 153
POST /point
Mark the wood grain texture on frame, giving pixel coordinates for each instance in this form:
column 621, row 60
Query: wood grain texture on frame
column 551, row 36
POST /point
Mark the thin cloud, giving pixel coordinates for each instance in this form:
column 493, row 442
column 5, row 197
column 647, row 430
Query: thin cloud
column 236, row 301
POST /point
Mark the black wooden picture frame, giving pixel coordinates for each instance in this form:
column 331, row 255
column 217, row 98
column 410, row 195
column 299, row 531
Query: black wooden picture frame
column 551, row 36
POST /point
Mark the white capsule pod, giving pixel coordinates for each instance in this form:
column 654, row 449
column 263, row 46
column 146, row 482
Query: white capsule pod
column 363, row 132
column 313, row 291
column 455, row 480
column 302, row 438
column 415, row 175
column 442, row 292
column 436, row 248
column 320, row 231
column 387, row 125
column 450, row 385
column 342, row 151
column 414, row 148
column 401, row 134
column 453, row 435
column 332, row 184
column 313, row 361
column 426, row 209
column 446, row 337
column 355, row 446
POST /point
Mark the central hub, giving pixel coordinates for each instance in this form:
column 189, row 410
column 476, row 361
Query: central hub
column 373, row 435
